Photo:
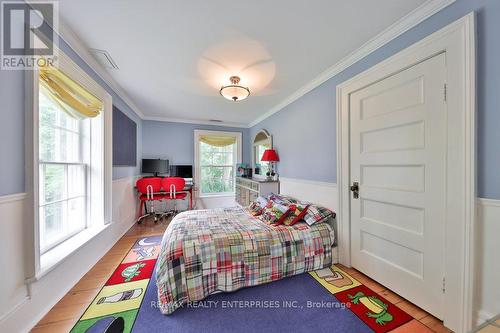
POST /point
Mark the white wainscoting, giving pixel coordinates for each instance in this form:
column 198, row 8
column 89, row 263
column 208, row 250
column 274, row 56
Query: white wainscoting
column 22, row 306
column 487, row 263
column 13, row 291
column 321, row 193
column 487, row 243
column 215, row 202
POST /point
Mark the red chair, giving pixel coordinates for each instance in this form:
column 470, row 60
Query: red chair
column 174, row 187
column 149, row 189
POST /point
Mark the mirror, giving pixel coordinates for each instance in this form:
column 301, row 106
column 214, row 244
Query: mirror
column 262, row 141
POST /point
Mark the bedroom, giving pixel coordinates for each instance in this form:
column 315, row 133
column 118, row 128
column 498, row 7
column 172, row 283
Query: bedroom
column 225, row 166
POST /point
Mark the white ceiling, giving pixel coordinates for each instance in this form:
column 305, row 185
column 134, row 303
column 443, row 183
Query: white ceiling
column 173, row 56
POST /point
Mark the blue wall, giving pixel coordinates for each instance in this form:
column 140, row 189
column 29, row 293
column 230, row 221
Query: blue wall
column 175, row 141
column 12, row 126
column 304, row 131
column 11, row 132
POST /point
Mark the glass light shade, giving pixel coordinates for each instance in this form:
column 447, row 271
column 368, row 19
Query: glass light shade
column 234, row 92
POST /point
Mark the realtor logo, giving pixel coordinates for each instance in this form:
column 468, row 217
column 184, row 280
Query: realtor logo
column 28, row 34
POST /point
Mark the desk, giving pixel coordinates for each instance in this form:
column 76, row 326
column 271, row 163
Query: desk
column 188, row 189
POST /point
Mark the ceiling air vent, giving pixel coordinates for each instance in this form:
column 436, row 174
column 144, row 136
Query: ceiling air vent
column 104, row 58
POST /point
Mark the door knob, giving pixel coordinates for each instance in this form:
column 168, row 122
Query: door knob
column 355, row 190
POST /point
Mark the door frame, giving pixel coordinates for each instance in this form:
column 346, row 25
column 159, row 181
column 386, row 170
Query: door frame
column 457, row 41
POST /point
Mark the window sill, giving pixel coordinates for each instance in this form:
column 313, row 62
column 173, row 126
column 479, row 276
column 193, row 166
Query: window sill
column 52, row 258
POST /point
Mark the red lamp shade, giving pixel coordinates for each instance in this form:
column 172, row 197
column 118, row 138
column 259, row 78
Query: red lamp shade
column 270, row 156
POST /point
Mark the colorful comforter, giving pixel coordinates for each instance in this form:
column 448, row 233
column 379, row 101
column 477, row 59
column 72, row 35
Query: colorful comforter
column 207, row 251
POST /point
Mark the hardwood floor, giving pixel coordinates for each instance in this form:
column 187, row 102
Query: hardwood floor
column 69, row 309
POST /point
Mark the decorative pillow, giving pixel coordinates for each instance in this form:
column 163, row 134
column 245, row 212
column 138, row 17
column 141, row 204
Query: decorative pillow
column 275, row 213
column 297, row 213
column 317, row 214
column 281, row 199
column 257, row 206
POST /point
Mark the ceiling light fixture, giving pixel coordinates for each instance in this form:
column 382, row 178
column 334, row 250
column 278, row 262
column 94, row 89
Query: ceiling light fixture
column 234, row 92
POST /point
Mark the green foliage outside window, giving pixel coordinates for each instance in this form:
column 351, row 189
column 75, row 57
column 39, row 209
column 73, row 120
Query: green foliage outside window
column 217, row 168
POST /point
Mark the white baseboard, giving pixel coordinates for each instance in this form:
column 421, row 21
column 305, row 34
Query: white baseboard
column 487, row 265
column 480, row 317
column 21, row 313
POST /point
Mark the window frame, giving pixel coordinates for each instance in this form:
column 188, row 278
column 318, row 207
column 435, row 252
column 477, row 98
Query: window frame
column 99, row 184
column 84, row 137
column 238, row 158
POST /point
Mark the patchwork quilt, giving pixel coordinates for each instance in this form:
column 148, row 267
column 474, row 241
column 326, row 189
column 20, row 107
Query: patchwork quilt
column 208, row 251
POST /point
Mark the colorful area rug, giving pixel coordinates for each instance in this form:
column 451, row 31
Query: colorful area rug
column 326, row 300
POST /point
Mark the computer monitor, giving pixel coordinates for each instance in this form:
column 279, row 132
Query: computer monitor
column 154, row 166
column 184, row 171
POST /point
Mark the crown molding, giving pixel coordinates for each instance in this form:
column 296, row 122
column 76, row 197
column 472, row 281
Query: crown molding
column 69, row 36
column 409, row 21
column 196, row 122
column 418, row 15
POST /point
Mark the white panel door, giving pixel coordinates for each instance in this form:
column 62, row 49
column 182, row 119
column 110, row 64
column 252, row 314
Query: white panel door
column 398, row 156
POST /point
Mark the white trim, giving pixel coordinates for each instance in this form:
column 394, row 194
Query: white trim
column 67, row 34
column 126, row 179
column 37, row 298
column 239, row 157
column 421, row 13
column 101, row 208
column 481, row 316
column 13, row 197
column 65, row 250
column 15, row 308
column 404, row 24
column 309, row 182
column 457, row 40
column 488, row 202
column 216, row 195
column 486, row 263
column 254, row 145
column 322, row 193
column 195, row 122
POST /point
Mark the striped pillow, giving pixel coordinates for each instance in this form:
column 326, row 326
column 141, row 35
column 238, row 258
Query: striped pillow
column 317, row 214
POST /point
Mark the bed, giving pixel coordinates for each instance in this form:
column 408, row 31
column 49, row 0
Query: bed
column 222, row 250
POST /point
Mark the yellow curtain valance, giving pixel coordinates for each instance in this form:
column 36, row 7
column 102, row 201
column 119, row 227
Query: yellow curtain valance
column 218, row 141
column 74, row 99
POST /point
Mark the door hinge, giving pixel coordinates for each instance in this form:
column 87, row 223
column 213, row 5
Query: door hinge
column 444, row 285
column 445, row 92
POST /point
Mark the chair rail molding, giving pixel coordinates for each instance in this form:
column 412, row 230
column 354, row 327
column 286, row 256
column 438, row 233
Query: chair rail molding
column 13, row 197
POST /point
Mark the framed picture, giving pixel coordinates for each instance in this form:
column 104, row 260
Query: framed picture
column 240, row 169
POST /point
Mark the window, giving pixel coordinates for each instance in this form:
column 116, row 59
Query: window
column 217, row 154
column 64, row 154
column 72, row 160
